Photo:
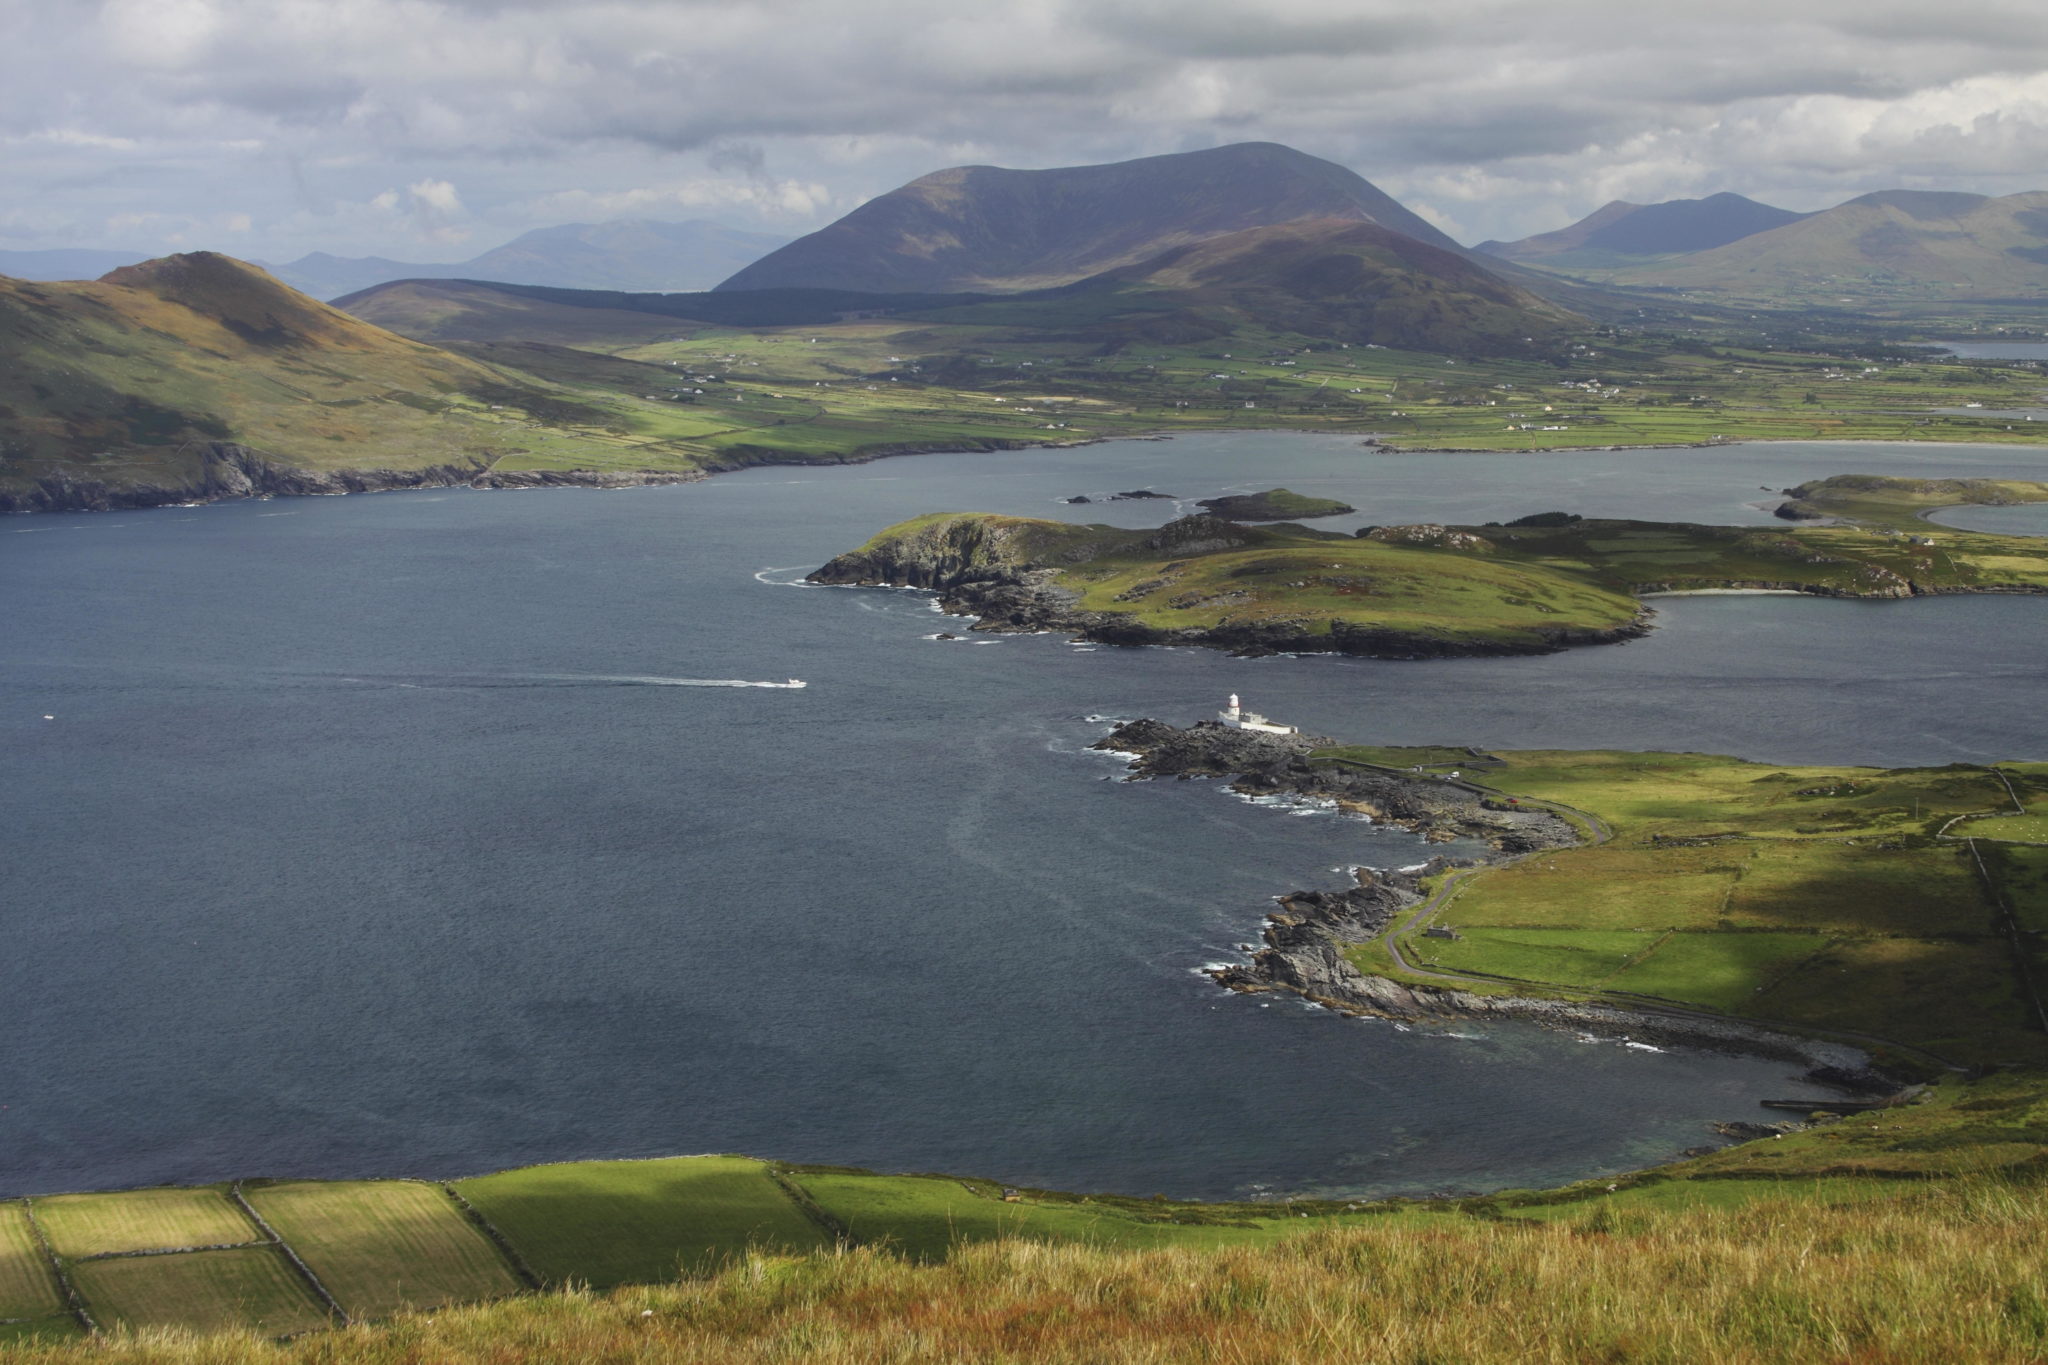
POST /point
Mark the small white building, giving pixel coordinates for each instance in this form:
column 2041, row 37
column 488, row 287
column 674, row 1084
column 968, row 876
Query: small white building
column 1237, row 718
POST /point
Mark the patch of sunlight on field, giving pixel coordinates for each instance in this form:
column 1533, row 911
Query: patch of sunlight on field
column 1607, row 887
column 27, row 1289
column 1565, row 957
column 384, row 1246
column 142, row 1220
column 1725, row 971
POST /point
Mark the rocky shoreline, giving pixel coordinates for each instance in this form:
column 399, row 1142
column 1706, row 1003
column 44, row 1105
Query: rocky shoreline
column 1306, row 936
column 1006, row 596
column 230, row 472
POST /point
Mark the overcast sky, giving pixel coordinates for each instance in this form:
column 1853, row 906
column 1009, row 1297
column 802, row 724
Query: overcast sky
column 433, row 129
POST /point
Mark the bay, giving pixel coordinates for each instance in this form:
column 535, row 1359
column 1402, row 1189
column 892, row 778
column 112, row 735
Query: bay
column 426, row 833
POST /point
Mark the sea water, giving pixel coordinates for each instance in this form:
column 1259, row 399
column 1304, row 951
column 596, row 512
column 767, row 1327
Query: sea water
column 432, row 833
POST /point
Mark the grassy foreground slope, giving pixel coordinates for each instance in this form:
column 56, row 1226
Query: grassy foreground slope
column 1934, row 1273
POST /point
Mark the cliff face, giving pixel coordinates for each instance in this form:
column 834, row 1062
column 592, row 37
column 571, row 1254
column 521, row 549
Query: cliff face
column 941, row 553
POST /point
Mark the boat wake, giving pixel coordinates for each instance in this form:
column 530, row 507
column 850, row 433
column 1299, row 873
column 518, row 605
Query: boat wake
column 780, row 578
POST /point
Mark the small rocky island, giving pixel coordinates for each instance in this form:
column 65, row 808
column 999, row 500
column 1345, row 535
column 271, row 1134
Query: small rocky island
column 1275, row 504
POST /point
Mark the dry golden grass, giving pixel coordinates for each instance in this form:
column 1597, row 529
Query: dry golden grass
column 1943, row 1274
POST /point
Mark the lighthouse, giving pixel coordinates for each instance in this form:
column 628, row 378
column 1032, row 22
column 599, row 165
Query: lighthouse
column 1237, row 718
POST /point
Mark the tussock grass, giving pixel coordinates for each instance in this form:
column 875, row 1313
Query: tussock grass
column 1945, row 1274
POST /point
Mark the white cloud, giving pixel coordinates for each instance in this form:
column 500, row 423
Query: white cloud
column 1505, row 117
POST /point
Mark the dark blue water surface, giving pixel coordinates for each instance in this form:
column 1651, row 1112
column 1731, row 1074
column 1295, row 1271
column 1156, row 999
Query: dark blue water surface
column 422, row 834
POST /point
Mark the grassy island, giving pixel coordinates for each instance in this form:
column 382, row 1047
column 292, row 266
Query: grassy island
column 1541, row 582
column 1275, row 504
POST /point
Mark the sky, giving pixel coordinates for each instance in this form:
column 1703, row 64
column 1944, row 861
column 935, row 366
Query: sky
column 431, row 130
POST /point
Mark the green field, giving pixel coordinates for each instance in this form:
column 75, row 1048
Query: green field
column 251, row 1288
column 142, row 1220
column 381, row 1247
column 609, row 1222
column 40, row 1330
column 1819, row 898
column 26, row 1287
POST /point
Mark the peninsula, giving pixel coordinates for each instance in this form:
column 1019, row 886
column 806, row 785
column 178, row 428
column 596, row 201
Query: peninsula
column 1815, row 914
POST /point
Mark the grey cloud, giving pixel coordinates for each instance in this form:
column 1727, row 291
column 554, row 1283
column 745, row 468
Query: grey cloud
column 1497, row 113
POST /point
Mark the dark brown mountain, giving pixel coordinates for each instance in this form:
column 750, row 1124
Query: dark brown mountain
column 1335, row 279
column 990, row 230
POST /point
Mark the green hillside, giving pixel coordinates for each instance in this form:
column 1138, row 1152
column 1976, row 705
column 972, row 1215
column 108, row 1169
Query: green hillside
column 133, row 384
column 1894, row 250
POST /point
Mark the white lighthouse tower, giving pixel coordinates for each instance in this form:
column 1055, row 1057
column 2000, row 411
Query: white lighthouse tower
column 1237, row 718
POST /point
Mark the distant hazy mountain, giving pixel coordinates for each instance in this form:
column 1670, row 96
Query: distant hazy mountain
column 1894, row 246
column 64, row 264
column 1620, row 229
column 442, row 311
column 987, row 229
column 631, row 254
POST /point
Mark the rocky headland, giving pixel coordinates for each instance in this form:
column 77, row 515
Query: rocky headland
column 1306, row 936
